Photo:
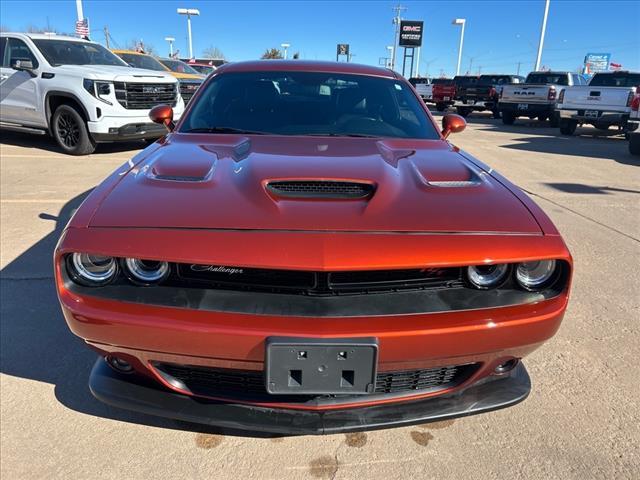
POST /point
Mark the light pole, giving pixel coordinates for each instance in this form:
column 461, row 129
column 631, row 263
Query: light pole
column 188, row 12
column 285, row 46
column 544, row 27
column 463, row 22
column 170, row 40
column 390, row 60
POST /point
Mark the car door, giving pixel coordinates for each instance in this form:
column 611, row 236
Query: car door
column 18, row 89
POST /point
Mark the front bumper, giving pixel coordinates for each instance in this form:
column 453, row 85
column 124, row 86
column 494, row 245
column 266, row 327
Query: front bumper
column 603, row 117
column 134, row 392
column 131, row 131
column 532, row 109
column 475, row 104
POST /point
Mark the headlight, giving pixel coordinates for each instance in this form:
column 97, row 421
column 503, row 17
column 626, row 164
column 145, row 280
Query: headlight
column 535, row 275
column 98, row 89
column 487, row 276
column 92, row 270
column 146, row 272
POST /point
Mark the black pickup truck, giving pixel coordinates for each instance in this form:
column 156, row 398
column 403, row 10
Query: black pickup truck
column 484, row 94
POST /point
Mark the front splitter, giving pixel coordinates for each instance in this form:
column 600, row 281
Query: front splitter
column 133, row 392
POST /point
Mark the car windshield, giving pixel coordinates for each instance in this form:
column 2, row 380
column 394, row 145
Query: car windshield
column 309, row 103
column 178, row 66
column 142, row 61
column 442, row 81
column 615, row 80
column 416, row 81
column 465, row 81
column 548, row 78
column 203, row 69
column 65, row 52
column 487, row 80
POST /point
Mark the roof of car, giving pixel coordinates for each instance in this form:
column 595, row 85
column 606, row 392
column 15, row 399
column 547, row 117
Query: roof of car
column 307, row 66
column 46, row 36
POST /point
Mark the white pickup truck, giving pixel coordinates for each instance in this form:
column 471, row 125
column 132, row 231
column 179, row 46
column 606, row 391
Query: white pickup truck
column 78, row 92
column 423, row 86
column 605, row 102
column 536, row 97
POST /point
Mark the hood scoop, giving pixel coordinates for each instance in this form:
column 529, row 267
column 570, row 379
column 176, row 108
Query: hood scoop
column 320, row 189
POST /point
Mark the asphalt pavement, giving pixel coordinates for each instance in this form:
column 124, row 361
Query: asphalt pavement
column 581, row 421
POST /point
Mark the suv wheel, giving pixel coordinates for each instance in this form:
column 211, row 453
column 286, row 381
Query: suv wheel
column 568, row 127
column 70, row 131
column 463, row 111
column 508, row 118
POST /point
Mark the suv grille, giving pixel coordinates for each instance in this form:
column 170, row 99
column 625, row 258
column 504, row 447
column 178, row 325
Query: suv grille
column 315, row 283
column 320, row 189
column 143, row 96
column 249, row 384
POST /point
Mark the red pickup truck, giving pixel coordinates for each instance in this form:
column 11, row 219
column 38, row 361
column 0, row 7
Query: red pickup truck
column 443, row 92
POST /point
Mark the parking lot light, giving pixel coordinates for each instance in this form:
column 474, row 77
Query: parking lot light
column 170, row 40
column 460, row 21
column 284, row 47
column 188, row 12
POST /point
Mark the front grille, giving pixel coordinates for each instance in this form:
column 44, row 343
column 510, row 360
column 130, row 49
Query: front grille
column 315, row 283
column 143, row 96
column 249, row 384
column 188, row 90
column 320, row 189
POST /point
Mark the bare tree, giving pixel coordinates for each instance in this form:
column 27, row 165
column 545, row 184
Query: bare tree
column 140, row 46
column 213, row 53
column 272, row 54
column 31, row 28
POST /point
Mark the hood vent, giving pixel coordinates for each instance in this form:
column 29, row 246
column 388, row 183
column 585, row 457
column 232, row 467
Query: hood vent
column 327, row 189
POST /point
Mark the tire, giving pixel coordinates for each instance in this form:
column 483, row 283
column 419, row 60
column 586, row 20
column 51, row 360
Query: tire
column 630, row 127
column 441, row 107
column 542, row 118
column 554, row 120
column 508, row 118
column 634, row 144
column 463, row 112
column 70, row 131
column 496, row 114
column 568, row 127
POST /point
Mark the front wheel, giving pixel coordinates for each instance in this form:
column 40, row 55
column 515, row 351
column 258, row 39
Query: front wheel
column 70, row 131
column 508, row 118
column 568, row 127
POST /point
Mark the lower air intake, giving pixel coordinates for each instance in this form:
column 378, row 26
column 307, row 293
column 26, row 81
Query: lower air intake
column 326, row 189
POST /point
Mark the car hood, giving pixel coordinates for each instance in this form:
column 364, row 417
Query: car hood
column 112, row 72
column 221, row 182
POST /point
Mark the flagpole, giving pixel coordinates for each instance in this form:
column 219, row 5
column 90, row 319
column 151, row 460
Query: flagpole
column 79, row 10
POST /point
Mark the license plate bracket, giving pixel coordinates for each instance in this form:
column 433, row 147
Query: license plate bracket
column 320, row 366
column 591, row 113
column 523, row 106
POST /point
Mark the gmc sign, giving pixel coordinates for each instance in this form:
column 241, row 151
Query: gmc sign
column 410, row 33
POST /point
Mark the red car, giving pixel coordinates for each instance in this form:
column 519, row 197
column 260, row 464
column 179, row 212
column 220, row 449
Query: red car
column 443, row 93
column 305, row 252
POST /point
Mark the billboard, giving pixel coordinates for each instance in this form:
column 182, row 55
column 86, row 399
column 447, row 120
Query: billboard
column 342, row 49
column 410, row 33
column 596, row 62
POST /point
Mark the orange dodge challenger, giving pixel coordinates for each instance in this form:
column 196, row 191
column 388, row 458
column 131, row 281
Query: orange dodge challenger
column 304, row 252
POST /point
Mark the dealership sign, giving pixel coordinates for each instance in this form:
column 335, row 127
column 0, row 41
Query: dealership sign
column 596, row 62
column 410, row 33
column 343, row 49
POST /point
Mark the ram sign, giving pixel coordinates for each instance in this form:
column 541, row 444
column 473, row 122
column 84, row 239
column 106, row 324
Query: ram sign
column 410, row 33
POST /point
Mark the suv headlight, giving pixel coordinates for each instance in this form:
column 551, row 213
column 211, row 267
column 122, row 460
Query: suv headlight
column 98, row 89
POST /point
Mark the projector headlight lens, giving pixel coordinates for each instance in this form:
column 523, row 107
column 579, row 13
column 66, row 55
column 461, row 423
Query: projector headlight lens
column 535, row 275
column 92, row 270
column 146, row 272
column 487, row 276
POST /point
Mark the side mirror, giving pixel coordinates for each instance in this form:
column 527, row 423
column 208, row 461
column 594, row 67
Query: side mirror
column 452, row 123
column 162, row 114
column 22, row 65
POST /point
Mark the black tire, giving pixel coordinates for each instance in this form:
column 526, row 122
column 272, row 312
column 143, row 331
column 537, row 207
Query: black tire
column 463, row 111
column 542, row 118
column 630, row 127
column 634, row 144
column 508, row 118
column 441, row 107
column 70, row 131
column 554, row 120
column 496, row 114
column 568, row 127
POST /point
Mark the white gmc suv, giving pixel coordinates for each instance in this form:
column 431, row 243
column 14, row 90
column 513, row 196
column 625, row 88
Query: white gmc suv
column 78, row 92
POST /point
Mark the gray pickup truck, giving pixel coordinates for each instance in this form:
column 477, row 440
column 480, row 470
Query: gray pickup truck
column 536, row 97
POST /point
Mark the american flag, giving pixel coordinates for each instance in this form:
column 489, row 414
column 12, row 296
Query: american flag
column 82, row 28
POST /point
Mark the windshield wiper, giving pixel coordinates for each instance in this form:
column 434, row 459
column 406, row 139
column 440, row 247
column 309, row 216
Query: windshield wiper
column 223, row 130
column 354, row 135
